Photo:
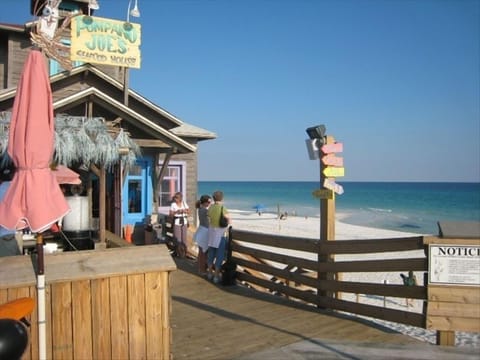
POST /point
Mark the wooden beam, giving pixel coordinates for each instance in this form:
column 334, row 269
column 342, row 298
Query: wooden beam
column 161, row 174
column 102, row 184
column 102, row 177
column 154, row 143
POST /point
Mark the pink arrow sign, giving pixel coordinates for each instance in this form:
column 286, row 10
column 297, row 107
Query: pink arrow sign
column 332, row 160
column 332, row 148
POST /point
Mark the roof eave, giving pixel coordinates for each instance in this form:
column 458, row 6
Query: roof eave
column 163, row 133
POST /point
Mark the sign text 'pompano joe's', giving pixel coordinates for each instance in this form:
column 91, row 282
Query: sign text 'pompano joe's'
column 105, row 41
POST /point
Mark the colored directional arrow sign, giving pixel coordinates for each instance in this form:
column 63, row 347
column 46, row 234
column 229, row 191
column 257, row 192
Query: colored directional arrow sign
column 332, row 160
column 334, row 171
column 332, row 148
column 323, row 194
column 332, row 185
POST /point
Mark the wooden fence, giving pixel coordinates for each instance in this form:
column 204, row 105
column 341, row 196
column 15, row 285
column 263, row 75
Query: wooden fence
column 101, row 304
column 304, row 269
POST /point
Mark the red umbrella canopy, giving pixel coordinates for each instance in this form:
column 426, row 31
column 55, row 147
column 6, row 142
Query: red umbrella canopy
column 34, row 198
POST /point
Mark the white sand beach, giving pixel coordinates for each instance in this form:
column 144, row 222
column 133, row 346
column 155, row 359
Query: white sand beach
column 307, row 227
column 310, row 228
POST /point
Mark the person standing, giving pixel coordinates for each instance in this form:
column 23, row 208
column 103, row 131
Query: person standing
column 8, row 242
column 216, row 237
column 201, row 235
column 179, row 210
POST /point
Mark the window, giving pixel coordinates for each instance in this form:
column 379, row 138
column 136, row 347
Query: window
column 172, row 182
column 134, row 196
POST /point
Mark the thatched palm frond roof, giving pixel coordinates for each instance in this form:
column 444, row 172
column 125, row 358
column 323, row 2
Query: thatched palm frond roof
column 83, row 140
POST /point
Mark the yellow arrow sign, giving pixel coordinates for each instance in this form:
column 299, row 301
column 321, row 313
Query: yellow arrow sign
column 334, row 171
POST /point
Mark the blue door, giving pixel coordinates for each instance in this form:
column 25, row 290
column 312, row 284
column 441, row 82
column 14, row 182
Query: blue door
column 137, row 192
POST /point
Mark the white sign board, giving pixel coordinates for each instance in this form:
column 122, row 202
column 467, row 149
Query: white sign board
column 454, row 264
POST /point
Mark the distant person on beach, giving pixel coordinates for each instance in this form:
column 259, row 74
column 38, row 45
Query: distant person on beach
column 179, row 210
column 201, row 235
column 8, row 243
column 216, row 237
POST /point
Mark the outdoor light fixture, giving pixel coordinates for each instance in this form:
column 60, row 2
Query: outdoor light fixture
column 317, row 139
column 316, row 132
column 134, row 12
column 93, row 5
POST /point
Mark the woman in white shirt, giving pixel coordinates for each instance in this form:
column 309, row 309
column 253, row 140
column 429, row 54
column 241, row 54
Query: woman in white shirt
column 179, row 210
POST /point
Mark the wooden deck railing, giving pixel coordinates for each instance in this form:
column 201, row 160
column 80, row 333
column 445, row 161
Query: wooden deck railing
column 304, row 269
column 100, row 304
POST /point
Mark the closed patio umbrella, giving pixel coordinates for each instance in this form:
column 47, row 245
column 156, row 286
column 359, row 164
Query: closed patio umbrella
column 34, row 198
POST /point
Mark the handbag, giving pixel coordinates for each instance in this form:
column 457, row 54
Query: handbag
column 223, row 219
column 184, row 220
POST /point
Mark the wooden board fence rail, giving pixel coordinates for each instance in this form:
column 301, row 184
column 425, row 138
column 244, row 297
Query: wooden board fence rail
column 309, row 279
column 100, row 304
column 302, row 268
column 290, row 267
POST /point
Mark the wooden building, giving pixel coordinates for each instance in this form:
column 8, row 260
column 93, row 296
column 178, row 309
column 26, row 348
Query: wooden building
column 168, row 146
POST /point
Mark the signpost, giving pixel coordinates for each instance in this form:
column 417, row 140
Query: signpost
column 327, row 205
column 331, row 166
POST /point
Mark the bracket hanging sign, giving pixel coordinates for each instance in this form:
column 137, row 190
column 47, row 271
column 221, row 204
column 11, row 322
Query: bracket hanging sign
column 105, row 41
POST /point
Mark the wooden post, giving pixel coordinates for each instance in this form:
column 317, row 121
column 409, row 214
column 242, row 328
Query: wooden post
column 327, row 206
column 102, row 182
column 102, row 204
column 327, row 224
column 126, row 85
column 446, row 338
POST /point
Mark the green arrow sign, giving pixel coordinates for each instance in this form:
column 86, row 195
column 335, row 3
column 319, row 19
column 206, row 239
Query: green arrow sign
column 334, row 171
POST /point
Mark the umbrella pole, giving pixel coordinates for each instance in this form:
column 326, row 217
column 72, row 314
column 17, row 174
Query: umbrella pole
column 42, row 341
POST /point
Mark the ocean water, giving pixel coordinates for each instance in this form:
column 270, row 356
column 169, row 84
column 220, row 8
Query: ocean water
column 403, row 206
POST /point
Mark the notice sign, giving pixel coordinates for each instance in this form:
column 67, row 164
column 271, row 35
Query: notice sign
column 105, row 41
column 454, row 264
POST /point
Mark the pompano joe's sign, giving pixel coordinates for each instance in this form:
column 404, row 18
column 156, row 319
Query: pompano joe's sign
column 105, row 41
column 454, row 264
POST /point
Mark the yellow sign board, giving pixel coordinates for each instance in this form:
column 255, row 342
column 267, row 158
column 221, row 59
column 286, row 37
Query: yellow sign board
column 105, row 41
column 334, row 171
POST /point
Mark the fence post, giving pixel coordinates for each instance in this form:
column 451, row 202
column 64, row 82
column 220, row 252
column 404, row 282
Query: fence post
column 327, row 221
column 446, row 338
column 319, row 274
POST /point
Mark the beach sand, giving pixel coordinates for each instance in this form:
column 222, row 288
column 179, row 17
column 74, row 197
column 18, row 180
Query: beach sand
column 309, row 227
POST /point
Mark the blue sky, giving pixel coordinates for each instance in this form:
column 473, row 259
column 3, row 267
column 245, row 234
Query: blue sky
column 396, row 81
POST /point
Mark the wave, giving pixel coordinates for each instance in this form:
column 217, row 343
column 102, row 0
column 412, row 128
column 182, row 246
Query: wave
column 410, row 226
column 380, row 210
